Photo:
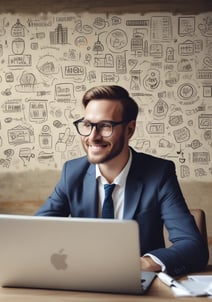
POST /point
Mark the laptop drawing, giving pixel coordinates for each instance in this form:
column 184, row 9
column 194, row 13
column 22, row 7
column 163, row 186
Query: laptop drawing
column 97, row 255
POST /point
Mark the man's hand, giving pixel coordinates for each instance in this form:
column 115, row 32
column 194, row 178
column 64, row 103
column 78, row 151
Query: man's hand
column 147, row 264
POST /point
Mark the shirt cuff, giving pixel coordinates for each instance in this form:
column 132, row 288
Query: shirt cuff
column 156, row 260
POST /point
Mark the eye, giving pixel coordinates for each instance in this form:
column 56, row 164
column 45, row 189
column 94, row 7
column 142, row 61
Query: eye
column 104, row 125
column 86, row 124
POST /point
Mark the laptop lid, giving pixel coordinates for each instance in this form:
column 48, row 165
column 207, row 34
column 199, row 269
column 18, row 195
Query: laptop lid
column 70, row 253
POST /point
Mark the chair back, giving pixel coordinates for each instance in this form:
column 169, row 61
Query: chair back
column 200, row 219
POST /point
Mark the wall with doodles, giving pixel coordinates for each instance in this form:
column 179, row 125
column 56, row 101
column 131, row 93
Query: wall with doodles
column 49, row 60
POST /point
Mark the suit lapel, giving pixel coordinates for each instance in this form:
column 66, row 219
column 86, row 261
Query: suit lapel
column 133, row 188
column 91, row 193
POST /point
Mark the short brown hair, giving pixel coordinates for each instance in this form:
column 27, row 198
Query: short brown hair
column 116, row 93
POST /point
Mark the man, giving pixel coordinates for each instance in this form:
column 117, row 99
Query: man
column 146, row 187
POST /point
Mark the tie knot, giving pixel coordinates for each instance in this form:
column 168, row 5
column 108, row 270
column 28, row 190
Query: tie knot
column 109, row 189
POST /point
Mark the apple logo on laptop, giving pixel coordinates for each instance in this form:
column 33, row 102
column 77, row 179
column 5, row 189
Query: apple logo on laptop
column 58, row 260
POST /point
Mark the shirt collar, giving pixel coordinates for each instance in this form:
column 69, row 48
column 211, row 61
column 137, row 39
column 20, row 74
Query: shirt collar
column 121, row 178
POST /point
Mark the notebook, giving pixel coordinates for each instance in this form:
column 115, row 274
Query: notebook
column 97, row 255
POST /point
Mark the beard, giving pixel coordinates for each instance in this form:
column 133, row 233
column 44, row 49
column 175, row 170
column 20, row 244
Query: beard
column 111, row 150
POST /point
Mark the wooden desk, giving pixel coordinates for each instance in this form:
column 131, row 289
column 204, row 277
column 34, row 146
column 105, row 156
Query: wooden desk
column 158, row 291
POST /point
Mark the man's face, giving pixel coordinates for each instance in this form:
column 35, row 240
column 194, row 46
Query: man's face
column 101, row 149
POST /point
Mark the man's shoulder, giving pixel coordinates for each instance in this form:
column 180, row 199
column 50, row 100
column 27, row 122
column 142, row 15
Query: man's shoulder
column 77, row 160
column 78, row 167
column 149, row 159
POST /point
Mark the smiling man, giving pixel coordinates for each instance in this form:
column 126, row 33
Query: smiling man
column 144, row 188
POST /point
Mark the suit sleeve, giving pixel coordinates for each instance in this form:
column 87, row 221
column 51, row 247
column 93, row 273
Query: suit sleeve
column 189, row 252
column 57, row 203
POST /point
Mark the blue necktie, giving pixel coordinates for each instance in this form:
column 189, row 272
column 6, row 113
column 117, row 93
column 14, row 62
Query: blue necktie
column 108, row 208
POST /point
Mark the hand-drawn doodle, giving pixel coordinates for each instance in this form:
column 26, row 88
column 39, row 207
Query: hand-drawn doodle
column 109, row 77
column 135, row 81
column 18, row 29
column 195, row 144
column 81, row 41
column 64, row 93
column 205, row 121
column 156, row 50
column 161, row 29
column 100, row 23
column 25, row 155
column 121, row 63
column 20, row 135
column 201, row 157
column 6, row 92
column 187, row 92
column 9, row 77
column 45, row 138
column 171, row 78
column 38, row 112
column 98, row 45
column 170, row 55
column 164, row 143
column 59, row 35
column 69, row 114
column 6, row 162
column 206, row 27
column 18, row 46
column 160, row 109
column 137, row 22
column 208, row 135
column 186, row 26
column 186, row 48
column 175, row 120
column 3, row 24
column 142, row 144
column 151, row 80
column 48, row 65
column 155, row 128
column 13, row 106
column 39, row 21
column 19, row 60
column 8, row 120
column 207, row 61
column 63, row 140
column 184, row 171
column 82, row 29
column 184, row 65
column 181, row 134
column 105, row 61
column 204, row 74
column 198, row 46
column 58, row 124
column 92, row 76
column 200, row 172
column 116, row 20
column 46, row 157
column 117, row 40
column 137, row 41
column 76, row 73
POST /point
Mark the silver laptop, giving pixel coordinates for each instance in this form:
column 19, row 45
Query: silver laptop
column 71, row 254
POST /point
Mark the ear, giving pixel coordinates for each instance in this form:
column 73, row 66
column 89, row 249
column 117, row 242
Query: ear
column 131, row 128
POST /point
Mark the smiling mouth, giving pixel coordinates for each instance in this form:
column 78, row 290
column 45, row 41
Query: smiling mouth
column 97, row 147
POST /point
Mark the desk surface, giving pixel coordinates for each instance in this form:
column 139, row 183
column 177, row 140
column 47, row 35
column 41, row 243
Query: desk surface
column 158, row 291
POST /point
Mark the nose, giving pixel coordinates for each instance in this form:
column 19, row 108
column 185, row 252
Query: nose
column 94, row 133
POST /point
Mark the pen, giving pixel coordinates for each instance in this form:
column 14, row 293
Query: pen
column 171, row 282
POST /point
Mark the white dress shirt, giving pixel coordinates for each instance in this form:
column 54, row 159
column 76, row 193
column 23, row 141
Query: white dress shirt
column 118, row 196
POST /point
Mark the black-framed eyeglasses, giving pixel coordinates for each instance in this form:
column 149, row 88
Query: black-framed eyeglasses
column 104, row 128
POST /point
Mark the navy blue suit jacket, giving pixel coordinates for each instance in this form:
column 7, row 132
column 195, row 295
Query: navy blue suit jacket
column 152, row 198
